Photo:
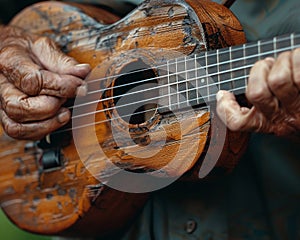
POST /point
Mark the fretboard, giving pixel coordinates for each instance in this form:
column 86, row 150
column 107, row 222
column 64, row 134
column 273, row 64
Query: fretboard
column 195, row 80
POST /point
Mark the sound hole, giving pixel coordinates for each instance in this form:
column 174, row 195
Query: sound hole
column 135, row 93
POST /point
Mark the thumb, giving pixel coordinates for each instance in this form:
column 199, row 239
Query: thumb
column 238, row 118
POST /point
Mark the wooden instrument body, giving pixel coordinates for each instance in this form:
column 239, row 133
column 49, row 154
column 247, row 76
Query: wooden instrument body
column 69, row 200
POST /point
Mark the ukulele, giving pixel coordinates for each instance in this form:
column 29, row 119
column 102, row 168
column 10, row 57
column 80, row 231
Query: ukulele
column 149, row 112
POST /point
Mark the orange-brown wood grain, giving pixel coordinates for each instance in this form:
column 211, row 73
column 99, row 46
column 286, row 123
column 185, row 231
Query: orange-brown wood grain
column 70, row 200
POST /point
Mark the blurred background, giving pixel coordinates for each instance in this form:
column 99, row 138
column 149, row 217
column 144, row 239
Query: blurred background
column 8, row 231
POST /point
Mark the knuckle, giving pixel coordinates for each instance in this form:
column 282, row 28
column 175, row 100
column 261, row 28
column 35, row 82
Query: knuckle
column 17, row 110
column 262, row 64
column 14, row 130
column 43, row 41
column 65, row 86
column 279, row 80
column 31, row 82
column 69, row 90
column 45, row 45
column 255, row 95
column 68, row 60
column 12, row 110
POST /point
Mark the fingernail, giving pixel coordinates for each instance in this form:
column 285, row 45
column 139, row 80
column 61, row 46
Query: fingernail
column 81, row 70
column 220, row 94
column 81, row 91
column 83, row 65
column 63, row 117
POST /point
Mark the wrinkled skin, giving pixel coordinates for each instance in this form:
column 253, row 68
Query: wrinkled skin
column 35, row 80
column 273, row 92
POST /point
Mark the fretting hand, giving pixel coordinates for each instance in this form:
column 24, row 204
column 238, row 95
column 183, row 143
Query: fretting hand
column 35, row 80
column 273, row 90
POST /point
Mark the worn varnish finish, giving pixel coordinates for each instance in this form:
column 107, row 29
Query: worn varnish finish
column 69, row 200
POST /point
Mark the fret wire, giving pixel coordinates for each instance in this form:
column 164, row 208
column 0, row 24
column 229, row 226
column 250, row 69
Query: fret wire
column 169, row 86
column 186, row 82
column 177, row 82
column 259, row 49
column 207, row 75
column 218, row 68
column 292, row 40
column 230, row 65
column 196, row 76
column 275, row 47
column 245, row 70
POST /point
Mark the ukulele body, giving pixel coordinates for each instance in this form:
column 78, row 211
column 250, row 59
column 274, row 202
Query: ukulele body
column 70, row 198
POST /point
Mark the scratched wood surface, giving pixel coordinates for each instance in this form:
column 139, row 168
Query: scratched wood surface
column 70, row 200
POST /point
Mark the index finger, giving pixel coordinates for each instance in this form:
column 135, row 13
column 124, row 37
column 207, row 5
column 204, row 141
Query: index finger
column 29, row 77
column 235, row 117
